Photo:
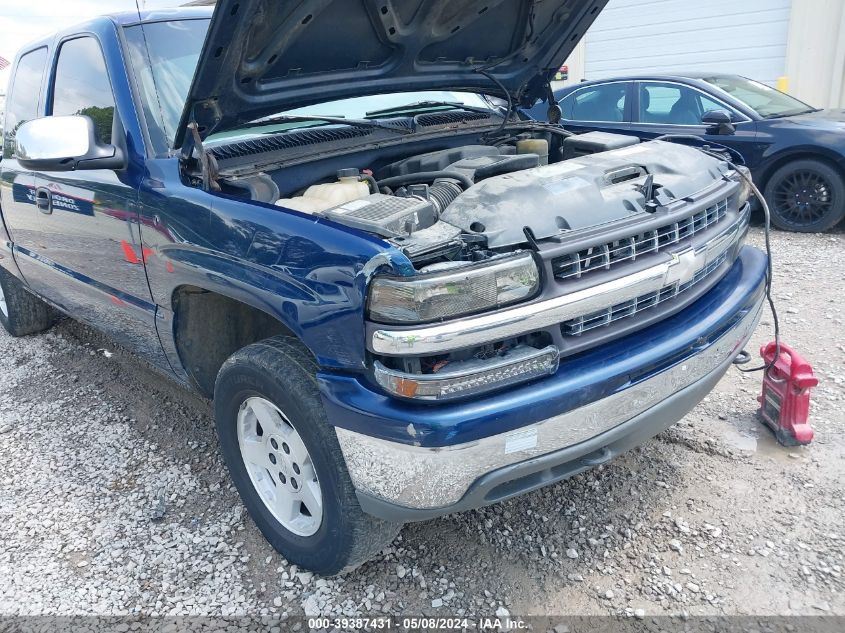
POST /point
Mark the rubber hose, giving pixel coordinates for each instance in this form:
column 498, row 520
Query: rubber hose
column 425, row 176
column 444, row 193
column 371, row 181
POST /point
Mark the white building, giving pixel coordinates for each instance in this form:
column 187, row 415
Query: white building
column 795, row 45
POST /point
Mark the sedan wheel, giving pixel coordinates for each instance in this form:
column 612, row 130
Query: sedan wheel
column 806, row 196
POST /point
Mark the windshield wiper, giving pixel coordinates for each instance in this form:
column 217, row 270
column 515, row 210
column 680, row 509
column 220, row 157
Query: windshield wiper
column 427, row 105
column 304, row 118
column 794, row 113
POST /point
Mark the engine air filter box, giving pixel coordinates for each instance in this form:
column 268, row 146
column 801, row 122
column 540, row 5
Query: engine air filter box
column 388, row 216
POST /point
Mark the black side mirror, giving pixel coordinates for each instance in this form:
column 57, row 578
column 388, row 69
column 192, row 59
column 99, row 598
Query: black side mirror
column 64, row 143
column 719, row 122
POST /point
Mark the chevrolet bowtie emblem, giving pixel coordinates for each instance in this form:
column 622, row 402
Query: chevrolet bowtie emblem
column 683, row 267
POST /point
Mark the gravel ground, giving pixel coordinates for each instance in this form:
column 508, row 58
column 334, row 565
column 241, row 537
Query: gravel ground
column 114, row 500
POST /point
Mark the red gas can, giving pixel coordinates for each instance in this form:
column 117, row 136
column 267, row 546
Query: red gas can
column 785, row 400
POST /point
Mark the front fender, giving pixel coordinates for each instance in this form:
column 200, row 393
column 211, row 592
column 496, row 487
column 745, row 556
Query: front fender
column 309, row 274
column 820, row 144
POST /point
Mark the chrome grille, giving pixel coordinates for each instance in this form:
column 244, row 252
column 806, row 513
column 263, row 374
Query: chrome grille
column 604, row 256
column 602, row 318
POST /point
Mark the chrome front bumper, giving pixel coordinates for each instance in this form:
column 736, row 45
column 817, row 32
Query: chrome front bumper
column 433, row 481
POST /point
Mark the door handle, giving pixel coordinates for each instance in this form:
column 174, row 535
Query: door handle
column 44, row 200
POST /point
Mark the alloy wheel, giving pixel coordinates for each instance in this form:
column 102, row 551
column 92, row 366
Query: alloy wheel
column 279, row 466
column 803, row 197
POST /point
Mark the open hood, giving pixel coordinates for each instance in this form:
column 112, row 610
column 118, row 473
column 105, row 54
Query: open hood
column 265, row 56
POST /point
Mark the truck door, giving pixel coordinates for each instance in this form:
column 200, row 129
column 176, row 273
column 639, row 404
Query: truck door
column 88, row 258
column 17, row 188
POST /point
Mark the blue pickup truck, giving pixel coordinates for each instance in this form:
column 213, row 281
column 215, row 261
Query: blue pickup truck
column 328, row 216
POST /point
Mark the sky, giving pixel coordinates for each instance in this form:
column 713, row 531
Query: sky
column 22, row 21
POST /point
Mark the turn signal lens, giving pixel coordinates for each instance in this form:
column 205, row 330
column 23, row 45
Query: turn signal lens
column 471, row 377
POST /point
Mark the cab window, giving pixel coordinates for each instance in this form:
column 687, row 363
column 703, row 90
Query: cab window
column 82, row 85
column 26, row 92
column 605, row 102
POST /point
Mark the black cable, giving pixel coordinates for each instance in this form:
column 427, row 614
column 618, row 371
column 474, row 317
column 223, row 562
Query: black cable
column 507, row 95
column 694, row 137
column 767, row 231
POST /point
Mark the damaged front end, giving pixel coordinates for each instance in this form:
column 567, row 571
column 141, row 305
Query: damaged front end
column 530, row 266
column 510, row 252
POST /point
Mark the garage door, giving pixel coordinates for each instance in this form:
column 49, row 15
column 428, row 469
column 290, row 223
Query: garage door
column 747, row 37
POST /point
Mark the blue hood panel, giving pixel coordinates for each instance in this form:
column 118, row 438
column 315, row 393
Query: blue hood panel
column 265, row 56
column 832, row 119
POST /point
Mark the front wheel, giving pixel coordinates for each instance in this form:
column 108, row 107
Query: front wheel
column 806, row 196
column 285, row 460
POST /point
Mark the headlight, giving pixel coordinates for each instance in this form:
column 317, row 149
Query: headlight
column 744, row 185
column 444, row 295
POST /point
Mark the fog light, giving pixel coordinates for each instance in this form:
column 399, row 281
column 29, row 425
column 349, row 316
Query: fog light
column 471, row 377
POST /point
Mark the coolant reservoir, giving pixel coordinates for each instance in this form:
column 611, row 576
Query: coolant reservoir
column 328, row 195
column 539, row 146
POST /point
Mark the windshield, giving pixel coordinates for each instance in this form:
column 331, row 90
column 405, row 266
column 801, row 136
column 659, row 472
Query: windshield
column 164, row 79
column 765, row 101
column 357, row 108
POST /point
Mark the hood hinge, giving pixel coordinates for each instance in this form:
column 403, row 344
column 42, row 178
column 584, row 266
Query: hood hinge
column 208, row 164
column 540, row 88
column 555, row 113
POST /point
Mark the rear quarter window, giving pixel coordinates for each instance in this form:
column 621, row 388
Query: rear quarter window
column 22, row 104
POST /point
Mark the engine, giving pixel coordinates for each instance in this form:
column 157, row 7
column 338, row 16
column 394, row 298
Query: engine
column 412, row 194
column 471, row 202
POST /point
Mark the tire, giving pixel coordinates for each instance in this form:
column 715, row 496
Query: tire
column 806, row 195
column 21, row 312
column 281, row 371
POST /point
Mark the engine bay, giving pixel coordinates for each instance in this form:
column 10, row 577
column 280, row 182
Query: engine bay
column 411, row 195
column 584, row 206
column 472, row 202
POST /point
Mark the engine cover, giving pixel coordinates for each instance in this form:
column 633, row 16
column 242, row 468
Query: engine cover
column 578, row 193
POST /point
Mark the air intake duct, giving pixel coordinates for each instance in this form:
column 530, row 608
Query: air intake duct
column 443, row 193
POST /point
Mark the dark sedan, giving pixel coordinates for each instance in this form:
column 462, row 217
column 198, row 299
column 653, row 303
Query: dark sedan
column 796, row 153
